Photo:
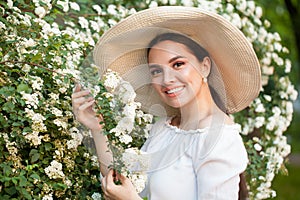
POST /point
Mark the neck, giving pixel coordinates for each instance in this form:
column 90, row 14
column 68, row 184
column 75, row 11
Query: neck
column 199, row 113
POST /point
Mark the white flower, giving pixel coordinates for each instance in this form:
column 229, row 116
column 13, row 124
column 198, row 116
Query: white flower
column 259, row 121
column 74, row 45
column 129, row 110
column 48, row 197
column 126, row 92
column 95, row 26
column 62, row 90
column 29, row 42
column 60, row 123
column 268, row 70
column 40, row 11
column 126, row 139
column 10, row 4
column 153, row 4
column 258, row 12
column 112, row 22
column 271, row 123
column 260, row 108
column 289, row 107
column 2, row 26
column 276, row 110
column 111, row 80
column 37, row 83
column 138, row 180
column 267, row 97
column 96, row 196
column 257, row 147
column 74, row 6
column 172, row 2
column 117, row 131
column 54, row 170
column 34, row 138
column 30, row 99
column 126, row 124
column 64, row 4
column 112, row 9
column 97, row 8
column 56, row 112
column 83, row 22
column 288, row 66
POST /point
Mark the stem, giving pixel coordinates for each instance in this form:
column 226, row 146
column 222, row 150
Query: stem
column 39, row 66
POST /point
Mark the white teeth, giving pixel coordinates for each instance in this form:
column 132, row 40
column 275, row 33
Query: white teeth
column 174, row 90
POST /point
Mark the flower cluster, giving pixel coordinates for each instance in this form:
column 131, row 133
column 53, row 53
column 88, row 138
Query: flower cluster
column 126, row 126
column 44, row 45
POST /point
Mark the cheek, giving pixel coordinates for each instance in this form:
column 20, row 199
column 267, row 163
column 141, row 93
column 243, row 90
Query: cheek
column 155, row 86
column 191, row 75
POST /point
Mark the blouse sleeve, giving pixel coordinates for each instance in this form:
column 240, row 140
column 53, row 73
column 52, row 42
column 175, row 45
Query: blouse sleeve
column 218, row 173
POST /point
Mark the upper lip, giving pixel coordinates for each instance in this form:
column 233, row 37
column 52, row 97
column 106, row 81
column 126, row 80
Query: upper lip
column 171, row 88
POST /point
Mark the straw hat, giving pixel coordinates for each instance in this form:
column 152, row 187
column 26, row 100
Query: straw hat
column 234, row 79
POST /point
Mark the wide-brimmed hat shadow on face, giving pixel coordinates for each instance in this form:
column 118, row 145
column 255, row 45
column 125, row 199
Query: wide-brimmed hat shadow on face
column 234, row 79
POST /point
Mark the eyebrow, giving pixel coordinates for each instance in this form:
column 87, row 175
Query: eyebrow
column 175, row 58
column 170, row 61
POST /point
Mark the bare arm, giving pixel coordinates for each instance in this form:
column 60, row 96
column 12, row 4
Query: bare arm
column 82, row 105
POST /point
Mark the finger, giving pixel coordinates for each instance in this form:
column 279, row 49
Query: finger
column 80, row 93
column 81, row 100
column 86, row 105
column 110, row 175
column 121, row 177
column 103, row 184
column 77, row 87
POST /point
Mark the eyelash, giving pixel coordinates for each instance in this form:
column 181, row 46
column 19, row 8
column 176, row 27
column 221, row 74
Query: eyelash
column 178, row 64
column 155, row 72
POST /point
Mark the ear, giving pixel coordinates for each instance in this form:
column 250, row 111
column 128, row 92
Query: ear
column 206, row 66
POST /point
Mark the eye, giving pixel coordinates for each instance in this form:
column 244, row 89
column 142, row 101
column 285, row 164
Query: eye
column 155, row 72
column 178, row 64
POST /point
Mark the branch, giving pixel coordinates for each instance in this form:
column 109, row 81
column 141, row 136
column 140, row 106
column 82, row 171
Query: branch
column 39, row 66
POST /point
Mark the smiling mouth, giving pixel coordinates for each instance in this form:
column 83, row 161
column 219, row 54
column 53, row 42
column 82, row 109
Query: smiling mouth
column 174, row 90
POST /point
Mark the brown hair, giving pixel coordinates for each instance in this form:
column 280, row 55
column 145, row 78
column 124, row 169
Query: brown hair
column 193, row 46
column 200, row 54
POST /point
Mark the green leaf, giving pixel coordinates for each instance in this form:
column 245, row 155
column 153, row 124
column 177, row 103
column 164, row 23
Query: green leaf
column 10, row 190
column 35, row 176
column 59, row 186
column 35, row 155
column 17, row 124
column 48, row 146
column 22, row 88
column 8, row 106
column 15, row 180
column 25, row 193
column 36, row 57
column 23, row 181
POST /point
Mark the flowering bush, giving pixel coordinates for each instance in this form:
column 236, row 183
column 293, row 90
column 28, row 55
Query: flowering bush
column 44, row 44
column 126, row 126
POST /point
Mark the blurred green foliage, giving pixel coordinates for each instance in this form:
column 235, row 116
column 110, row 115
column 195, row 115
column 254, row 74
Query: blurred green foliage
column 277, row 13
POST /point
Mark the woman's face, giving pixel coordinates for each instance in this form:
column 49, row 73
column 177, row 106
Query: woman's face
column 176, row 73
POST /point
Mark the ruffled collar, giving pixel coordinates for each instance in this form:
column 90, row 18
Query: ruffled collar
column 168, row 125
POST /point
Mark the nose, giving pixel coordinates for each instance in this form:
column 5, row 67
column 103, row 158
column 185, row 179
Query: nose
column 169, row 76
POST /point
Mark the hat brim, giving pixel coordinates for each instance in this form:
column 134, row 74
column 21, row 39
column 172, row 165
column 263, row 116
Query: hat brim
column 235, row 79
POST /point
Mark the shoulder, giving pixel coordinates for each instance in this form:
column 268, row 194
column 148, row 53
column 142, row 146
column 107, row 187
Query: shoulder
column 221, row 144
column 230, row 147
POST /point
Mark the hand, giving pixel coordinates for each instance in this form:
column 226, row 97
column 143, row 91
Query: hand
column 125, row 191
column 82, row 105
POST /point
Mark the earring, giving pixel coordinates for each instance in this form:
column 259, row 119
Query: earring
column 204, row 79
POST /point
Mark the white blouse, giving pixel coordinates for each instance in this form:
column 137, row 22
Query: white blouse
column 194, row 165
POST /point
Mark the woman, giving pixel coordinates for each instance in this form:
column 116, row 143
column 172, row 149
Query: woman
column 192, row 68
